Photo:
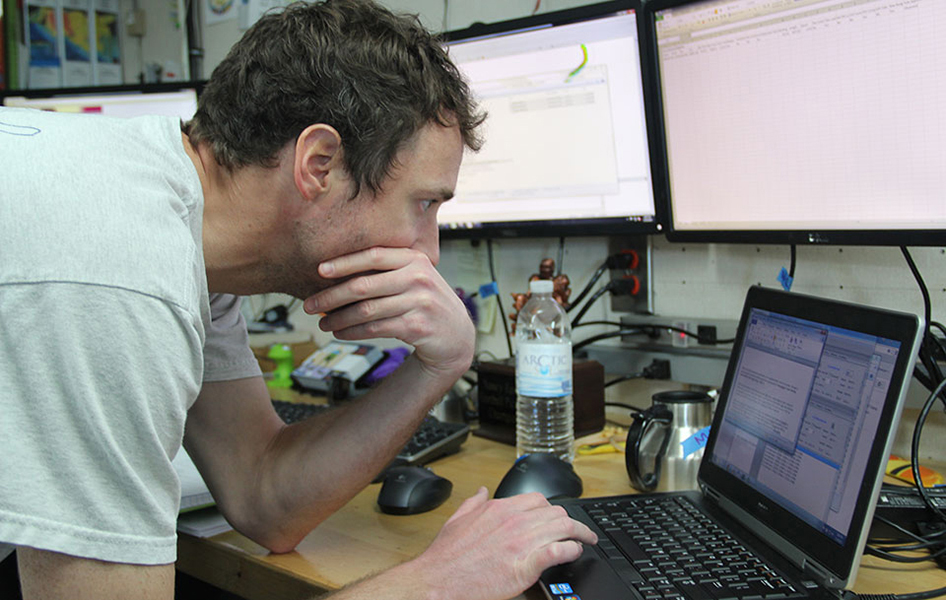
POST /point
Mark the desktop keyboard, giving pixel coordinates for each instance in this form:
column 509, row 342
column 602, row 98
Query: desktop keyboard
column 433, row 439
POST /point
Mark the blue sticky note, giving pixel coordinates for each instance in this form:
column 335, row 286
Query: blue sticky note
column 489, row 289
column 695, row 442
column 785, row 279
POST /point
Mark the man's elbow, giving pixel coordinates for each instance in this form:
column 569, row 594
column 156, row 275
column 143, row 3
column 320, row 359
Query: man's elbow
column 276, row 535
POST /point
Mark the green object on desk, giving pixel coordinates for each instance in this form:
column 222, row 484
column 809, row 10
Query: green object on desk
column 281, row 354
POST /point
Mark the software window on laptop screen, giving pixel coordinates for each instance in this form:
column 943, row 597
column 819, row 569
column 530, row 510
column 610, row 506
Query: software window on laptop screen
column 802, row 414
column 805, row 114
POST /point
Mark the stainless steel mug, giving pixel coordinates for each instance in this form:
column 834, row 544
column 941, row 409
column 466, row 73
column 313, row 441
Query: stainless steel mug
column 665, row 442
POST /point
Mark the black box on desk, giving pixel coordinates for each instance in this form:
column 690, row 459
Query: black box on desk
column 497, row 399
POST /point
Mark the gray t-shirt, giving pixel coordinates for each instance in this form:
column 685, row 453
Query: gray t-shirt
column 107, row 331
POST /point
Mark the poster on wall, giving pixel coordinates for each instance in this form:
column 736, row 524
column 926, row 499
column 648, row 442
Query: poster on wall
column 107, row 68
column 76, row 43
column 42, row 39
column 218, row 11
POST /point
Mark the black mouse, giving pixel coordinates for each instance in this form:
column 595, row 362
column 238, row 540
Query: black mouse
column 408, row 490
column 540, row 472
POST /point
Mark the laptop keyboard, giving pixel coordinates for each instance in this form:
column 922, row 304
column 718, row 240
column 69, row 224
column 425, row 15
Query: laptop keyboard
column 666, row 548
column 433, row 439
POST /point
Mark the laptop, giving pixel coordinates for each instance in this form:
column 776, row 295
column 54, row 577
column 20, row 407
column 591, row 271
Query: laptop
column 790, row 473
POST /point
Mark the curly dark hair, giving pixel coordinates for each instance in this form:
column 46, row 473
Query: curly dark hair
column 374, row 76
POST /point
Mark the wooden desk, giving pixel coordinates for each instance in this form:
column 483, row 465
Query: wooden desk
column 359, row 539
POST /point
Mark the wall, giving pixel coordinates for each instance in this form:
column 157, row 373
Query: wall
column 707, row 282
column 164, row 42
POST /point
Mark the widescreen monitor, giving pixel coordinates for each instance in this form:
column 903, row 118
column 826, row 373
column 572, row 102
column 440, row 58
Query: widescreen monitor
column 566, row 141
column 171, row 99
column 800, row 121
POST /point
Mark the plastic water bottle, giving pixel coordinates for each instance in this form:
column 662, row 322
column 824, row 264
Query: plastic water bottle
column 544, row 409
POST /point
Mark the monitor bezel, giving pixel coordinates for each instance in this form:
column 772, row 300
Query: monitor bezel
column 103, row 90
column 562, row 227
column 660, row 173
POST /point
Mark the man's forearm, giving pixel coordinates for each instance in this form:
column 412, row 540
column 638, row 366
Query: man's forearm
column 314, row 468
column 403, row 582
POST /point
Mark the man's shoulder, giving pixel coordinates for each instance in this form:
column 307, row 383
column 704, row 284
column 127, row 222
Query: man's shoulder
column 116, row 203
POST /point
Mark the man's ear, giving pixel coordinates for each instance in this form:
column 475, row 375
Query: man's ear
column 318, row 154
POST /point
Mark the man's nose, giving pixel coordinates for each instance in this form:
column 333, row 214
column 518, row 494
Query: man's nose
column 429, row 244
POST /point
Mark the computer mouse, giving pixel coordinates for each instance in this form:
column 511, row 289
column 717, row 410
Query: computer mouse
column 410, row 489
column 543, row 473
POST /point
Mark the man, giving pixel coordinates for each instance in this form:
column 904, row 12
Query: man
column 314, row 166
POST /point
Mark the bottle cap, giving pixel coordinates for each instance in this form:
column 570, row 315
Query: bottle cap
column 541, row 286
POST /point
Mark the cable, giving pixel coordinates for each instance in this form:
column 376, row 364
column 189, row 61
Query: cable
column 898, row 527
column 604, row 336
column 939, row 326
column 908, row 559
column 622, row 379
column 627, row 406
column 634, row 329
column 693, row 335
column 926, row 352
column 594, row 279
column 685, row 332
column 915, row 596
column 915, row 451
column 791, row 266
column 589, row 323
column 922, row 284
column 594, row 298
column 654, row 329
column 499, row 303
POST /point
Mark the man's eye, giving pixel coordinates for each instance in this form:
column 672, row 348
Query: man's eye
column 426, row 204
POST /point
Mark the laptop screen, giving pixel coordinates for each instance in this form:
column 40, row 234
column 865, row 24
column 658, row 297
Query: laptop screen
column 805, row 420
column 802, row 415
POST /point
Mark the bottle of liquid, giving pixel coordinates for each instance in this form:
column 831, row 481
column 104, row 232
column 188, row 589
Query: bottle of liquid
column 544, row 409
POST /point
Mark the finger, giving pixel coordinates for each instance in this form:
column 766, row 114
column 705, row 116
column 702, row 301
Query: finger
column 563, row 527
column 360, row 302
column 558, row 553
column 354, row 289
column 386, row 328
column 470, row 504
column 413, row 278
column 361, row 313
column 529, row 501
column 377, row 259
column 374, row 298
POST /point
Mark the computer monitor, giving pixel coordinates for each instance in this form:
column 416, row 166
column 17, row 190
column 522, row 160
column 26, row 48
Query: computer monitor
column 566, row 142
column 171, row 99
column 800, row 121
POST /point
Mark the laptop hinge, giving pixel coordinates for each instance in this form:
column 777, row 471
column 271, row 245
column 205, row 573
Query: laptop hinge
column 711, row 494
column 819, row 574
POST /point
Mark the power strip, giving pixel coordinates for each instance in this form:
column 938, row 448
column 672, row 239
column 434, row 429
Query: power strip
column 904, row 506
column 910, row 500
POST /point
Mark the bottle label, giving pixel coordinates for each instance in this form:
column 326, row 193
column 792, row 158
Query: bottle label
column 544, row 370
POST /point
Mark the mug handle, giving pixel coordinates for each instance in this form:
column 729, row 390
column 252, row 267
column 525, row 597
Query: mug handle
column 655, row 415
